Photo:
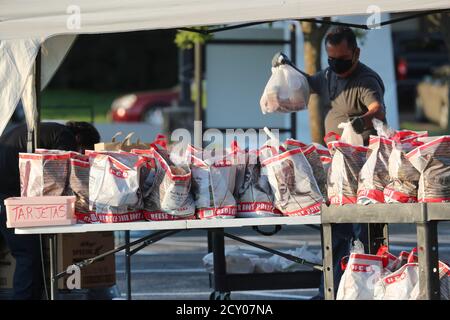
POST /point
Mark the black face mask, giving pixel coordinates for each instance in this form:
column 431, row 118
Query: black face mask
column 340, row 65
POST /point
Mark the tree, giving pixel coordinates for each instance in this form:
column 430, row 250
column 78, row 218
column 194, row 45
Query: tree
column 313, row 35
column 439, row 22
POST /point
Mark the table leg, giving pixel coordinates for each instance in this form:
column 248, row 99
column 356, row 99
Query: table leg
column 52, row 258
column 218, row 247
column 428, row 260
column 128, row 264
column 328, row 262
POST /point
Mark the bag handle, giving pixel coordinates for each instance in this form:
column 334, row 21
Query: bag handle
column 331, row 134
column 344, row 262
column 113, row 139
column 127, row 140
column 412, row 258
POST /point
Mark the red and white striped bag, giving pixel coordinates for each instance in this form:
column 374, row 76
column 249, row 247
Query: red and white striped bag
column 167, row 193
column 79, row 186
column 114, row 186
column 293, row 184
column 213, row 186
column 253, row 193
column 361, row 275
column 432, row 160
column 44, row 174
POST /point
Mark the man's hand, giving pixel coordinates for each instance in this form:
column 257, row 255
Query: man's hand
column 358, row 124
column 280, row 58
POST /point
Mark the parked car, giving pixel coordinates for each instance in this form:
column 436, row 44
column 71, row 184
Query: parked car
column 144, row 106
column 432, row 100
column 416, row 55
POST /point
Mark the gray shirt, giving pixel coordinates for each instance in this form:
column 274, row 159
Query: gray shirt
column 347, row 97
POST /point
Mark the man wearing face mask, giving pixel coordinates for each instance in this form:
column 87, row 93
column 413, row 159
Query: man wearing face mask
column 349, row 89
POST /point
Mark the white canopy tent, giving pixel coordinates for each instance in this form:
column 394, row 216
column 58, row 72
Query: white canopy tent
column 28, row 25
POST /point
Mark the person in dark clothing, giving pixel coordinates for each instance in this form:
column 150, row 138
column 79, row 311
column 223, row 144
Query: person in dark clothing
column 350, row 91
column 73, row 136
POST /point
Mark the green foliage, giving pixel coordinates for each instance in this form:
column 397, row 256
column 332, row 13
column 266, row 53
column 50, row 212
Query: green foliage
column 186, row 39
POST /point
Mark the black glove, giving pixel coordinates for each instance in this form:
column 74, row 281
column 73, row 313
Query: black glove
column 358, row 124
column 280, row 58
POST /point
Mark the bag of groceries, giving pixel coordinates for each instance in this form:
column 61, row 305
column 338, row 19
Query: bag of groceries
column 403, row 177
column 362, row 272
column 432, row 160
column 253, row 194
column 286, row 91
column 346, row 163
column 79, row 187
column 293, row 184
column 114, row 186
column 213, row 183
column 401, row 284
column 44, row 174
column 166, row 187
column 313, row 155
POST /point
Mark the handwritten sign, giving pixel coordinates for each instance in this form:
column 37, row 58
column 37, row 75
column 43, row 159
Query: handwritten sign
column 39, row 211
column 27, row 213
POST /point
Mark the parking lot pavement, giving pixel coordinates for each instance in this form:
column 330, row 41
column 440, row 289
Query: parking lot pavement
column 173, row 269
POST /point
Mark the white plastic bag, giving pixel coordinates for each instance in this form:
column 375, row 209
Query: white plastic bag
column 349, row 135
column 293, row 184
column 403, row 177
column 79, row 186
column 44, row 174
column 167, row 189
column 286, row 91
column 254, row 196
column 400, row 285
column 237, row 261
column 432, row 160
column 114, row 186
column 213, row 184
column 281, row 264
column 313, row 155
column 361, row 275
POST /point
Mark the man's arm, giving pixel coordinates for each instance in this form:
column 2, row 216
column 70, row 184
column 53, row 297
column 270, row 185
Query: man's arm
column 371, row 95
column 375, row 110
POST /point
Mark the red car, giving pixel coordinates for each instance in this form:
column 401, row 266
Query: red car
column 143, row 106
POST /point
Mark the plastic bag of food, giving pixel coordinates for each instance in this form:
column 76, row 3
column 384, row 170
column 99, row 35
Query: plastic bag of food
column 432, row 160
column 167, row 188
column 403, row 177
column 237, row 261
column 254, row 196
column 361, row 276
column 444, row 277
column 44, row 174
column 114, row 186
column 346, row 163
column 402, row 284
column 293, row 184
column 79, row 186
column 213, row 185
column 286, row 91
column 312, row 154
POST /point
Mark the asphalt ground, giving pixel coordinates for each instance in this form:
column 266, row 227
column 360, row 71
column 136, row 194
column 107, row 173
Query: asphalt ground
column 172, row 268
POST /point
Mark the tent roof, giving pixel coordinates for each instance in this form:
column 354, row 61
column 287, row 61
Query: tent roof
column 45, row 18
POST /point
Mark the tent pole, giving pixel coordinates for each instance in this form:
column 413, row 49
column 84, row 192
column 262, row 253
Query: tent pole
column 293, row 54
column 37, row 83
column 198, row 113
